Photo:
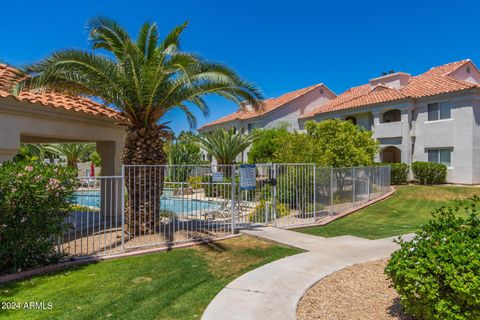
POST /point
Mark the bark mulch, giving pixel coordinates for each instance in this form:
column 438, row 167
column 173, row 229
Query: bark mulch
column 358, row 292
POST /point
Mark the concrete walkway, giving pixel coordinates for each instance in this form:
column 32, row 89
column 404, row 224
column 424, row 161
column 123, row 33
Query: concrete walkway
column 274, row 290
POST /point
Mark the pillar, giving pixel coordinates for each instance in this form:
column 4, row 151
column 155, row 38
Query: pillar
column 111, row 188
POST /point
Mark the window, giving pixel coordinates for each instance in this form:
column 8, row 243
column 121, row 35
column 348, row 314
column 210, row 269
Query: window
column 440, row 156
column 251, row 126
column 351, row 119
column 439, row 111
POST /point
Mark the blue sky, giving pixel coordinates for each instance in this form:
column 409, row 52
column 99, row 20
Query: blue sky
column 279, row 45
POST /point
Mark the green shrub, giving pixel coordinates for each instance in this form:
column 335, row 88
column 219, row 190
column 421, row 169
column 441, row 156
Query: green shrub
column 399, row 173
column 195, row 182
column 438, row 273
column 294, row 187
column 34, row 200
column 429, row 172
column 265, row 208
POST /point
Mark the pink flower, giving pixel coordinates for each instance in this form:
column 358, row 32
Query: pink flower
column 53, row 184
column 29, row 168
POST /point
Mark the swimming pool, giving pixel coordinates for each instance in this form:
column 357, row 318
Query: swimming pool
column 91, row 198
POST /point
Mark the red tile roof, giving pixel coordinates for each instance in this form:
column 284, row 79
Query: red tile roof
column 267, row 106
column 8, row 75
column 435, row 81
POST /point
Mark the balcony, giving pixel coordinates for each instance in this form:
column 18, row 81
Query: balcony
column 388, row 130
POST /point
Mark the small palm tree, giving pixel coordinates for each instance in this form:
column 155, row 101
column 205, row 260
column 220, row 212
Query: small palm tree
column 144, row 79
column 73, row 152
column 225, row 145
column 32, row 150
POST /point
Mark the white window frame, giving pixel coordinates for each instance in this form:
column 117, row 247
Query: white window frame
column 439, row 111
column 439, row 150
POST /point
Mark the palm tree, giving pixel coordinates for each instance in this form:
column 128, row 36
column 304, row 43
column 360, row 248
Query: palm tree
column 73, row 152
column 144, row 79
column 32, row 150
column 225, row 145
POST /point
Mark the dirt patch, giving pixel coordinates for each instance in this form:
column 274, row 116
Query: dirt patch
column 358, row 292
column 139, row 280
column 228, row 257
column 438, row 193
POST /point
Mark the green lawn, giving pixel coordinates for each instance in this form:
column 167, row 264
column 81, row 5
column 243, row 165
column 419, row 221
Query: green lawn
column 401, row 213
column 171, row 285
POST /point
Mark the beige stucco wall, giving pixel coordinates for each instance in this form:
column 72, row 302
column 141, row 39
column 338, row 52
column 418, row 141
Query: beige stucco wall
column 23, row 122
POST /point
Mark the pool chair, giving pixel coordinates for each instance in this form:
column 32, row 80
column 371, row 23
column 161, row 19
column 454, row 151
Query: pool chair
column 221, row 212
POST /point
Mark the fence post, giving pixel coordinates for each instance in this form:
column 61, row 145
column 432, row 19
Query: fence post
column 274, row 196
column 368, row 182
column 314, row 193
column 122, row 194
column 331, row 191
column 353, row 186
column 232, row 203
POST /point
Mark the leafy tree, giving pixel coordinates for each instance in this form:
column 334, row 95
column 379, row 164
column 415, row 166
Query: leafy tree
column 144, row 79
column 332, row 142
column 267, row 143
column 225, row 145
column 340, row 143
column 296, row 147
column 73, row 152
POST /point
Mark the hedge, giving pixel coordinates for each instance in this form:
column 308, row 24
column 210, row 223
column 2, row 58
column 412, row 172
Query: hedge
column 429, row 172
column 399, row 173
column 437, row 274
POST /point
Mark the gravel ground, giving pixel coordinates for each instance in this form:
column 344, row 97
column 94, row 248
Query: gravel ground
column 358, row 292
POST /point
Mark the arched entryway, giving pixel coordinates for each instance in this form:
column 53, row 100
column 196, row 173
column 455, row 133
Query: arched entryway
column 391, row 155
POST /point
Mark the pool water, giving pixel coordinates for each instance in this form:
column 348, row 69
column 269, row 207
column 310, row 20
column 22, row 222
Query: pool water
column 91, row 198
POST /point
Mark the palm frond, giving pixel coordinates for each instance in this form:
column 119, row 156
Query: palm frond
column 144, row 79
column 224, row 145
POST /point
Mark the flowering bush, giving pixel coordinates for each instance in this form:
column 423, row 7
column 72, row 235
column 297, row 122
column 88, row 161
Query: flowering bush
column 34, row 200
column 438, row 273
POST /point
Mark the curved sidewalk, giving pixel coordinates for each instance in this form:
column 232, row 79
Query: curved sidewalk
column 274, row 290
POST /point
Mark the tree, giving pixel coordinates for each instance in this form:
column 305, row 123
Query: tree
column 184, row 152
column 340, row 143
column 144, row 79
column 73, row 152
column 225, row 145
column 267, row 143
column 29, row 151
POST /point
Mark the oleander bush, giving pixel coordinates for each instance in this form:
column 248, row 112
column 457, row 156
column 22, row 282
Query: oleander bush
column 437, row 275
column 429, row 172
column 399, row 173
column 34, row 200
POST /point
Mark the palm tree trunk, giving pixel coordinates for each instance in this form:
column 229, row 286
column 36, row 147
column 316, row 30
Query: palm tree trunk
column 144, row 183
